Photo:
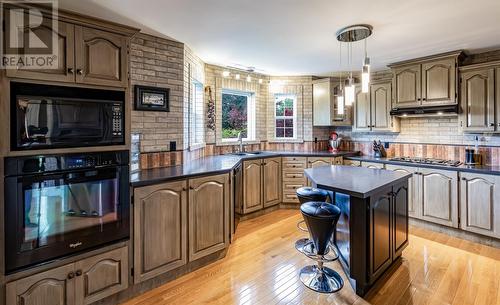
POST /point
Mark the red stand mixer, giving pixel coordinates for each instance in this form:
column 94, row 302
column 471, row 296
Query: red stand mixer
column 334, row 142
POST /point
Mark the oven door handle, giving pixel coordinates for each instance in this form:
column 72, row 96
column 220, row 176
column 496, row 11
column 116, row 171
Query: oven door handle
column 80, row 176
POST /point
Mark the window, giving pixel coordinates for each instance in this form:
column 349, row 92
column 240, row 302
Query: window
column 238, row 115
column 197, row 131
column 285, row 113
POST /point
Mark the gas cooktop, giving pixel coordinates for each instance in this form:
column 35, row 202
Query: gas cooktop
column 431, row 161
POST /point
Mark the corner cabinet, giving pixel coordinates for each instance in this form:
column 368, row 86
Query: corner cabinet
column 480, row 204
column 160, row 229
column 209, row 199
column 428, row 81
column 80, row 283
column 372, row 109
column 271, row 179
column 252, row 186
column 478, row 99
column 86, row 55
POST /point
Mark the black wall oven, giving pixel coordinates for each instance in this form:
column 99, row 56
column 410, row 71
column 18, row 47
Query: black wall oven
column 45, row 116
column 57, row 205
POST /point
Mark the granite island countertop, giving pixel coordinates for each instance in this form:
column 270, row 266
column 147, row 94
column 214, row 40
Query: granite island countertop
column 216, row 164
column 359, row 182
column 479, row 169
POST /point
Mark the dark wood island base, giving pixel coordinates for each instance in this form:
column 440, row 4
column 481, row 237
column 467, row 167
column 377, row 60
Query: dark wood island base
column 373, row 229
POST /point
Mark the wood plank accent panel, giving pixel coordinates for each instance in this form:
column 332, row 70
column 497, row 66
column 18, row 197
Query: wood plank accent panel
column 160, row 229
column 209, row 199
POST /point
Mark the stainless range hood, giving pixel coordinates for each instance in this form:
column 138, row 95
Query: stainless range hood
column 447, row 110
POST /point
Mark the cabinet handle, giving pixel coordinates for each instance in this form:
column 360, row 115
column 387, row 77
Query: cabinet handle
column 79, row 71
column 184, row 189
column 424, row 99
column 78, row 272
column 293, row 165
column 71, row 275
column 191, row 188
column 492, row 124
column 71, row 70
column 464, row 179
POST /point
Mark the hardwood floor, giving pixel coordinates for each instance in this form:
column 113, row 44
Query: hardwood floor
column 262, row 267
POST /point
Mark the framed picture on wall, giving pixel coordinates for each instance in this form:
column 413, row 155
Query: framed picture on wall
column 151, row 98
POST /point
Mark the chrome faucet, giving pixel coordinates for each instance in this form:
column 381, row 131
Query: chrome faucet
column 240, row 141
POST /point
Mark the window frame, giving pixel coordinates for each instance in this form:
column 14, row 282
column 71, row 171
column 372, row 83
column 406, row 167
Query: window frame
column 194, row 115
column 294, row 117
column 251, row 118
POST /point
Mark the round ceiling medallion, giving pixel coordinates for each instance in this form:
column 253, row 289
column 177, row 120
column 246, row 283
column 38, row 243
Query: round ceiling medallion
column 354, row 32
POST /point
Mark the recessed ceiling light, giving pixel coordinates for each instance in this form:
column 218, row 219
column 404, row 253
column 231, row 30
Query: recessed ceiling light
column 260, row 80
column 440, row 113
column 225, row 73
column 237, row 76
column 405, row 115
column 249, row 79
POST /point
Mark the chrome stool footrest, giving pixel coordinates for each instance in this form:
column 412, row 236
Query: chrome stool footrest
column 306, row 247
column 321, row 279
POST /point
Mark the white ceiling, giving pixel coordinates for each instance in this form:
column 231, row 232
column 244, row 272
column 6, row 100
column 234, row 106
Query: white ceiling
column 290, row 37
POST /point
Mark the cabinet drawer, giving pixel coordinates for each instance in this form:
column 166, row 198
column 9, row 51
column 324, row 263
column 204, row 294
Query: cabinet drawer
column 294, row 159
column 293, row 175
column 292, row 186
column 352, row 162
column 373, row 165
column 289, row 166
column 292, row 198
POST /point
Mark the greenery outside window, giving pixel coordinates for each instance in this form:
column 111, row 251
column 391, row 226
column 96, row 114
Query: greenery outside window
column 238, row 115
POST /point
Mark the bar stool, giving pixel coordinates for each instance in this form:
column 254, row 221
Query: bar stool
column 306, row 194
column 321, row 219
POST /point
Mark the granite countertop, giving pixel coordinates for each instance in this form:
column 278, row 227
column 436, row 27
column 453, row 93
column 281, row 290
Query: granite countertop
column 359, row 182
column 215, row 165
column 480, row 169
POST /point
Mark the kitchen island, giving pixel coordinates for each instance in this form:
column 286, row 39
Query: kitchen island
column 373, row 228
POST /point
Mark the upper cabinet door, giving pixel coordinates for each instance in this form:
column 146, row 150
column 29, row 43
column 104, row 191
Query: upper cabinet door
column 101, row 57
column 380, row 95
column 407, row 89
column 439, row 82
column 477, row 95
column 63, row 70
column 362, row 120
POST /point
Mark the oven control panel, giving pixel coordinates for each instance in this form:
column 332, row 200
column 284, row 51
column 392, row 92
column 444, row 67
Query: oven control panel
column 117, row 120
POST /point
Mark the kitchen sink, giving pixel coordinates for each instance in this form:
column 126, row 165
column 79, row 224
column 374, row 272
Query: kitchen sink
column 247, row 153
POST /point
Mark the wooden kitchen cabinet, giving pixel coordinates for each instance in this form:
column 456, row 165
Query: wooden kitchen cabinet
column 318, row 161
column 380, row 101
column 406, row 81
column 160, row 229
column 88, row 52
column 208, row 217
column 101, row 57
column 480, row 203
column 374, row 165
column 252, row 186
column 478, row 100
column 272, row 182
column 372, row 109
column 413, row 188
column 439, row 83
column 439, row 193
column 51, row 287
column 293, row 177
column 325, row 106
column 100, row 276
column 80, row 283
column 352, row 162
column 427, row 81
column 65, row 60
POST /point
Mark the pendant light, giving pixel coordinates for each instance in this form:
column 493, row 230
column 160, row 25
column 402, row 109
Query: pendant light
column 340, row 91
column 365, row 73
column 349, row 35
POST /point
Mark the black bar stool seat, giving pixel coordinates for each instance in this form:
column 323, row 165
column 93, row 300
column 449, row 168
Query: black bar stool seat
column 308, row 193
column 321, row 219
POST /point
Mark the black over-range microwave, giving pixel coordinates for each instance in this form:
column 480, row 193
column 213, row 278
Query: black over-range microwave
column 44, row 116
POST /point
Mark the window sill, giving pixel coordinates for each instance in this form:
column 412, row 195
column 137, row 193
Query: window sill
column 232, row 143
column 284, row 141
column 196, row 146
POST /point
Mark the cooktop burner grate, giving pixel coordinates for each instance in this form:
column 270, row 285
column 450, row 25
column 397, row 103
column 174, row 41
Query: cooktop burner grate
column 426, row 161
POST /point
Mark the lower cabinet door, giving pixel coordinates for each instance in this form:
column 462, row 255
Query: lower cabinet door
column 160, row 229
column 100, row 276
column 480, row 204
column 380, row 255
column 414, row 209
column 53, row 287
column 252, row 186
column 400, row 218
column 271, row 176
column 208, row 215
column 439, row 196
